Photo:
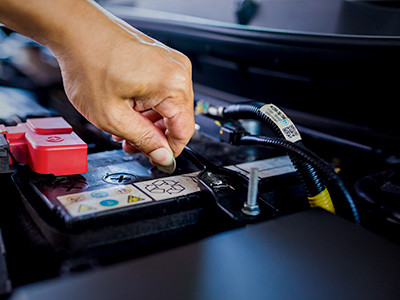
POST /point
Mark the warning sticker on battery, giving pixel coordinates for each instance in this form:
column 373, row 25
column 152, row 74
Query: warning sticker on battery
column 285, row 125
column 119, row 196
column 126, row 195
column 170, row 187
column 100, row 200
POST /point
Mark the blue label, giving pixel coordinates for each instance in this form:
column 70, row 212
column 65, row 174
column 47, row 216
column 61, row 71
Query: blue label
column 99, row 194
column 109, row 202
column 284, row 122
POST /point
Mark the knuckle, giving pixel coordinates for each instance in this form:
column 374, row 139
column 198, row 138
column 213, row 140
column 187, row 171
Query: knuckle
column 187, row 63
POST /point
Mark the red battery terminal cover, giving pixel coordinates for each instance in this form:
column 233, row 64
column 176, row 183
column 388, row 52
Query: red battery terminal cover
column 47, row 145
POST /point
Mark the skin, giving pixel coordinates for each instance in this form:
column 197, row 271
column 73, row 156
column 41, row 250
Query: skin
column 121, row 80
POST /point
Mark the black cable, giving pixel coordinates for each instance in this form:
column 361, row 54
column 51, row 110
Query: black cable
column 305, row 155
column 309, row 177
column 198, row 160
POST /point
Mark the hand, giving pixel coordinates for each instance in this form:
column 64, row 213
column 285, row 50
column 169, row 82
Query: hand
column 134, row 87
column 121, row 80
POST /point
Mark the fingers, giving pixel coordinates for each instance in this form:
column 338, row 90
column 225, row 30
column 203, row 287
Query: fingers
column 142, row 134
column 154, row 117
column 178, row 122
column 117, row 138
column 161, row 139
column 178, row 129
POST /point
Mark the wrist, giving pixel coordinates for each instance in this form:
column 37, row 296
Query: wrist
column 57, row 24
column 82, row 27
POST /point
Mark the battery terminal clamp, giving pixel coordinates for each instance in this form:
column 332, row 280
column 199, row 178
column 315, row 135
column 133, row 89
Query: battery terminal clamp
column 230, row 190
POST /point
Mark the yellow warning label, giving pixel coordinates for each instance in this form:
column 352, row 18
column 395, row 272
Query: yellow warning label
column 84, row 207
column 134, row 199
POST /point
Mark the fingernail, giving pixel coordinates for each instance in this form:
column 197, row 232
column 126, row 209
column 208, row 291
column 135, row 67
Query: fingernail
column 164, row 160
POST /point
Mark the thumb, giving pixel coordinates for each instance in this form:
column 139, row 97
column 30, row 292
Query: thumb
column 145, row 137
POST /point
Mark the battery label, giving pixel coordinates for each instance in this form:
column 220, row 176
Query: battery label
column 285, row 125
column 126, row 195
column 100, row 200
column 170, row 187
column 118, row 196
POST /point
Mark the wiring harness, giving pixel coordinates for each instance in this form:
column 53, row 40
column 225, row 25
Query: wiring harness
column 308, row 165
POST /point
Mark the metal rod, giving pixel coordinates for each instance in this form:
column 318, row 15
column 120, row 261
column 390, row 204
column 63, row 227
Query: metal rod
column 253, row 187
column 251, row 207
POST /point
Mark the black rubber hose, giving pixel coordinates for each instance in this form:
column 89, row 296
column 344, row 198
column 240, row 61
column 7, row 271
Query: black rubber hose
column 309, row 177
column 305, row 155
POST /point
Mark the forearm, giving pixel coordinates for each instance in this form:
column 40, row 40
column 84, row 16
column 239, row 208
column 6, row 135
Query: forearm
column 55, row 24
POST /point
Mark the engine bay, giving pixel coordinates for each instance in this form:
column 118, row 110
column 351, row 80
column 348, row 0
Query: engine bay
column 259, row 157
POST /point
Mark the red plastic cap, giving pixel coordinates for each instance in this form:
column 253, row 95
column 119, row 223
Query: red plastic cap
column 55, row 125
column 49, row 146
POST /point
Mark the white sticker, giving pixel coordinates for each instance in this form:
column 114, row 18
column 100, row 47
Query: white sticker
column 170, row 187
column 100, row 200
column 285, row 125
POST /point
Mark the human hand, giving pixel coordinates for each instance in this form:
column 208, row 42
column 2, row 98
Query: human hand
column 121, row 80
column 134, row 87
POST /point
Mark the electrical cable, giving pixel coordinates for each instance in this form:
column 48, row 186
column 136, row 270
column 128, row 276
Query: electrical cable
column 253, row 110
column 306, row 155
column 198, row 160
column 283, row 127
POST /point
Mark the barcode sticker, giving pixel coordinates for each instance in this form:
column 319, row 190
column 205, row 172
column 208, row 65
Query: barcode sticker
column 285, row 125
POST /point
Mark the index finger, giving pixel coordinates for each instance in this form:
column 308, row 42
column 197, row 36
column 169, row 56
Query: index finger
column 179, row 122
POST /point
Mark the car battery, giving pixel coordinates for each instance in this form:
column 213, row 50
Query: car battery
column 124, row 203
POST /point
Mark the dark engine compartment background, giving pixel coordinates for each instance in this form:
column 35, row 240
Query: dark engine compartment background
column 337, row 83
